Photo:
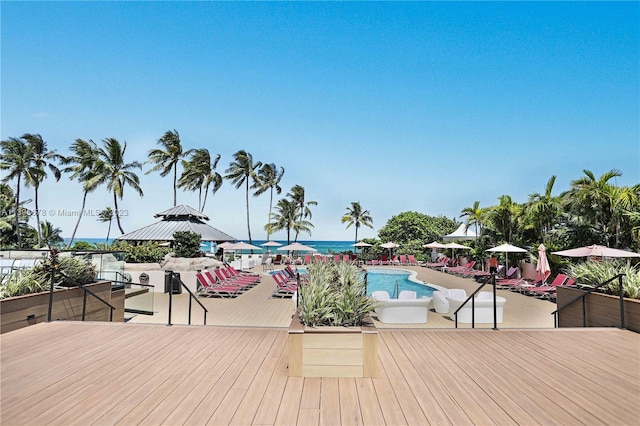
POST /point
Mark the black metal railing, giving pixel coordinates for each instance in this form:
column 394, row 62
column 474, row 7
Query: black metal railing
column 583, row 297
column 137, row 295
column 104, row 302
column 489, row 279
column 175, row 279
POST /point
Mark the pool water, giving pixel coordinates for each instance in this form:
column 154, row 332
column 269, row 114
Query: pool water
column 385, row 279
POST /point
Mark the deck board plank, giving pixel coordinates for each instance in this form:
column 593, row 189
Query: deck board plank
column 150, row 374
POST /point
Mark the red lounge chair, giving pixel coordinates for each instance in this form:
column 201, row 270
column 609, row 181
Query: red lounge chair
column 336, row 258
column 558, row 280
column 346, row 258
column 307, row 259
column 210, row 289
column 522, row 285
column 403, row 259
column 278, row 260
column 222, row 279
column 384, row 260
column 411, row 259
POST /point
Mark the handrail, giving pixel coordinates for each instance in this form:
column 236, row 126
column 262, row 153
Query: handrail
column 131, row 283
column 584, row 295
column 191, row 297
column 124, row 276
column 84, row 302
column 491, row 277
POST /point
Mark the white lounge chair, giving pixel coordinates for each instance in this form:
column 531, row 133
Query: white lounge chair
column 407, row 295
column 483, row 308
column 403, row 311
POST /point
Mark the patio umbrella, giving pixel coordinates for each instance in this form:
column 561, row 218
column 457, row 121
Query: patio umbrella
column 270, row 244
column 243, row 246
column 596, row 250
column 454, row 246
column 543, row 263
column 507, row 248
column 435, row 245
column 296, row 247
column 362, row 244
column 390, row 245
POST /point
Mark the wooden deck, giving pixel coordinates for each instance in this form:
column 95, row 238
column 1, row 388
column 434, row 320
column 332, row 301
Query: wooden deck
column 66, row 373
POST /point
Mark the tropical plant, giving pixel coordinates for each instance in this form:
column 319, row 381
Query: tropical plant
column 42, row 159
column 504, row 218
column 50, row 235
column 104, row 216
column 283, row 219
column 117, row 173
column 240, row 172
column 8, row 236
column 333, row 295
column 186, row 244
column 593, row 273
column 83, row 165
column 268, row 179
column 542, row 210
column 21, row 282
column 297, row 195
column 167, row 160
column 414, row 226
column 147, row 252
column 199, row 173
column 357, row 217
column 474, row 216
column 16, row 157
column 83, row 246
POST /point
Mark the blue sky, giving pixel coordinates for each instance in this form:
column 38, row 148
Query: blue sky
column 415, row 106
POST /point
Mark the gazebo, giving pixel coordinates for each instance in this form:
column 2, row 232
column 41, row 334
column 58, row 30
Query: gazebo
column 460, row 234
column 178, row 218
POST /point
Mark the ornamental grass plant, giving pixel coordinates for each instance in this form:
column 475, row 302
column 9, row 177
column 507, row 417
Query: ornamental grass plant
column 591, row 273
column 333, row 295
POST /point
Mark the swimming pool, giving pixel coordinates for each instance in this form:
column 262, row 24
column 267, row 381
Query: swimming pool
column 379, row 279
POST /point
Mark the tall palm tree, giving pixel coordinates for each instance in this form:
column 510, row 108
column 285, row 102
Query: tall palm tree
column 624, row 199
column 83, row 165
column 116, row 173
column 358, row 217
column 199, row 173
column 544, row 209
column 591, row 197
column 167, row 160
column 505, row 216
column 474, row 216
column 106, row 215
column 240, row 172
column 298, row 197
column 283, row 218
column 16, row 157
column 268, row 178
column 43, row 158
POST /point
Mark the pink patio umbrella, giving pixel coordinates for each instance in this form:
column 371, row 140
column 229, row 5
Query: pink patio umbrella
column 362, row 244
column 435, row 245
column 596, row 250
column 542, row 268
column 270, row 244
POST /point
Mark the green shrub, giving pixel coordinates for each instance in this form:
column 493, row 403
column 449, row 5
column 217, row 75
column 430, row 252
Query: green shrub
column 24, row 281
column 82, row 245
column 590, row 274
column 147, row 252
column 334, row 295
column 186, row 244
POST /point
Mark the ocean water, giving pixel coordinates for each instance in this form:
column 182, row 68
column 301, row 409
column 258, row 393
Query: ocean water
column 323, row 247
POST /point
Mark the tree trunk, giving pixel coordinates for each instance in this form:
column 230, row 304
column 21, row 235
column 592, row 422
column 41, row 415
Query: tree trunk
column 38, row 217
column 17, row 214
column 247, row 199
column 108, row 231
column 73, row 235
column 175, row 180
column 269, row 218
column 115, row 205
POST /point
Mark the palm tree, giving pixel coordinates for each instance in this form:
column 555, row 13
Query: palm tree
column 268, row 178
column 167, row 160
column 474, row 216
column 505, row 216
column 304, row 212
column 199, row 173
column 544, row 209
column 358, row 217
column 106, row 215
column 592, row 197
column 116, row 173
column 624, row 199
column 16, row 157
column 240, row 172
column 51, row 235
column 42, row 158
column 284, row 218
column 83, row 166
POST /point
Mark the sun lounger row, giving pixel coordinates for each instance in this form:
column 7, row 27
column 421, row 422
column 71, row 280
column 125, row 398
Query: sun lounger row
column 225, row 282
column 402, row 259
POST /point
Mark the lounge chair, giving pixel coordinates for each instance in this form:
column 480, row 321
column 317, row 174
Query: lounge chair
column 407, row 295
column 411, row 260
column 346, row 258
column 483, row 308
column 278, row 260
column 403, row 259
column 440, row 263
column 307, row 259
column 336, row 258
column 522, row 285
column 284, row 288
column 543, row 289
column 384, row 260
column 208, row 288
